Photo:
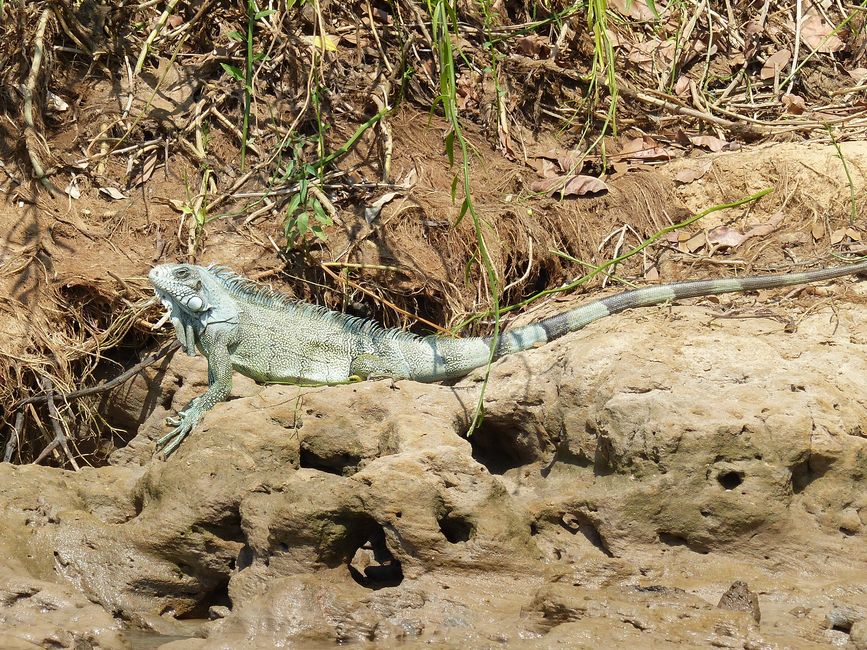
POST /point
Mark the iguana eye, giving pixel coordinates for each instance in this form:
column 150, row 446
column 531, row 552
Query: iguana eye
column 182, row 273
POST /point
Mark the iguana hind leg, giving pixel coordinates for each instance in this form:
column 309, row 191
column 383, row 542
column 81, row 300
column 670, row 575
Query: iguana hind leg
column 371, row 367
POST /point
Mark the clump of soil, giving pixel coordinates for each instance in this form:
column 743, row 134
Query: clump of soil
column 331, row 177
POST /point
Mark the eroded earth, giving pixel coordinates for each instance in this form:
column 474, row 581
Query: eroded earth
column 623, row 480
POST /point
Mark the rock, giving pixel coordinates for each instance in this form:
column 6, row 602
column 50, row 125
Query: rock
column 843, row 617
column 619, row 477
column 858, row 635
column 740, row 599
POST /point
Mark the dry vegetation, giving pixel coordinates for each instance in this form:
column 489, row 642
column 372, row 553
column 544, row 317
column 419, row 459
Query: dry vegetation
column 310, row 142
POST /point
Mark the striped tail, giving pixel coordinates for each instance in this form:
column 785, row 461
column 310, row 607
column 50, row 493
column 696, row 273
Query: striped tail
column 528, row 336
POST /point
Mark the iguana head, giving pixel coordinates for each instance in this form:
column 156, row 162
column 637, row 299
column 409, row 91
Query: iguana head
column 180, row 284
column 189, row 293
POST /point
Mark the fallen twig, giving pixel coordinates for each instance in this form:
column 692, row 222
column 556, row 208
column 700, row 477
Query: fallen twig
column 101, row 388
column 29, row 89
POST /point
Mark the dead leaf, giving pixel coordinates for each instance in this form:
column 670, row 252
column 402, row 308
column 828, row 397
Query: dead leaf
column 681, row 88
column 695, row 243
column 794, row 104
column 677, row 236
column 725, row 237
column 643, row 148
column 581, row 185
column 818, row 35
column 710, row 142
column 685, row 176
column 113, row 192
column 775, row 64
column 838, row 235
column 372, row 211
column 633, row 9
column 620, row 168
column 818, row 231
column 534, row 46
column 147, row 170
column 570, row 185
column 858, row 74
column 72, row 189
column 549, row 169
column 571, row 161
column 853, row 234
column 329, row 43
column 55, row 102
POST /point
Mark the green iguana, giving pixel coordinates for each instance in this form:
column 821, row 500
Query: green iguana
column 238, row 324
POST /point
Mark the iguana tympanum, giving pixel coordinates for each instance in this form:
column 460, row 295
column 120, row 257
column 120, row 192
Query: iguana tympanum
column 238, row 324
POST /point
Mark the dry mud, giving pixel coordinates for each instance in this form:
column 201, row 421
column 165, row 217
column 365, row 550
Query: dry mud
column 624, row 478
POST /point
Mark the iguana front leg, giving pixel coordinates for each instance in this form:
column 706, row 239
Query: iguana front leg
column 219, row 386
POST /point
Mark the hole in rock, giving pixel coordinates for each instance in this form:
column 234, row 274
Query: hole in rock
column 501, row 446
column 576, row 522
column 670, row 539
column 217, row 596
column 342, row 464
column 372, row 565
column 843, row 626
column 807, row 471
column 245, row 557
column 731, row 479
column 456, row 529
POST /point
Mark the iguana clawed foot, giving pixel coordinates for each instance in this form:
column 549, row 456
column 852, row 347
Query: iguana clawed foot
column 183, row 424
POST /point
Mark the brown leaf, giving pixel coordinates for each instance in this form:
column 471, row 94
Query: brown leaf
column 794, row 104
column 818, row 231
column 534, row 46
column 681, row 88
column 113, row 192
column 775, row 64
column 571, row 161
column 549, row 169
column 643, row 148
column 147, row 170
column 858, row 74
column 695, row 243
column 581, row 185
column 569, row 185
column 838, row 235
column 620, row 168
column 708, row 141
column 817, row 34
column 725, row 237
column 546, row 185
column 853, row 234
column 677, row 236
column 685, row 176
column 632, row 9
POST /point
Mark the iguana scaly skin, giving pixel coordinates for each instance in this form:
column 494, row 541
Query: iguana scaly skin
column 238, row 324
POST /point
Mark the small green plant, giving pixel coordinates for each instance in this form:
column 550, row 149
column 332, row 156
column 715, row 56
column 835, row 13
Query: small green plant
column 305, row 215
column 254, row 14
column 444, row 22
